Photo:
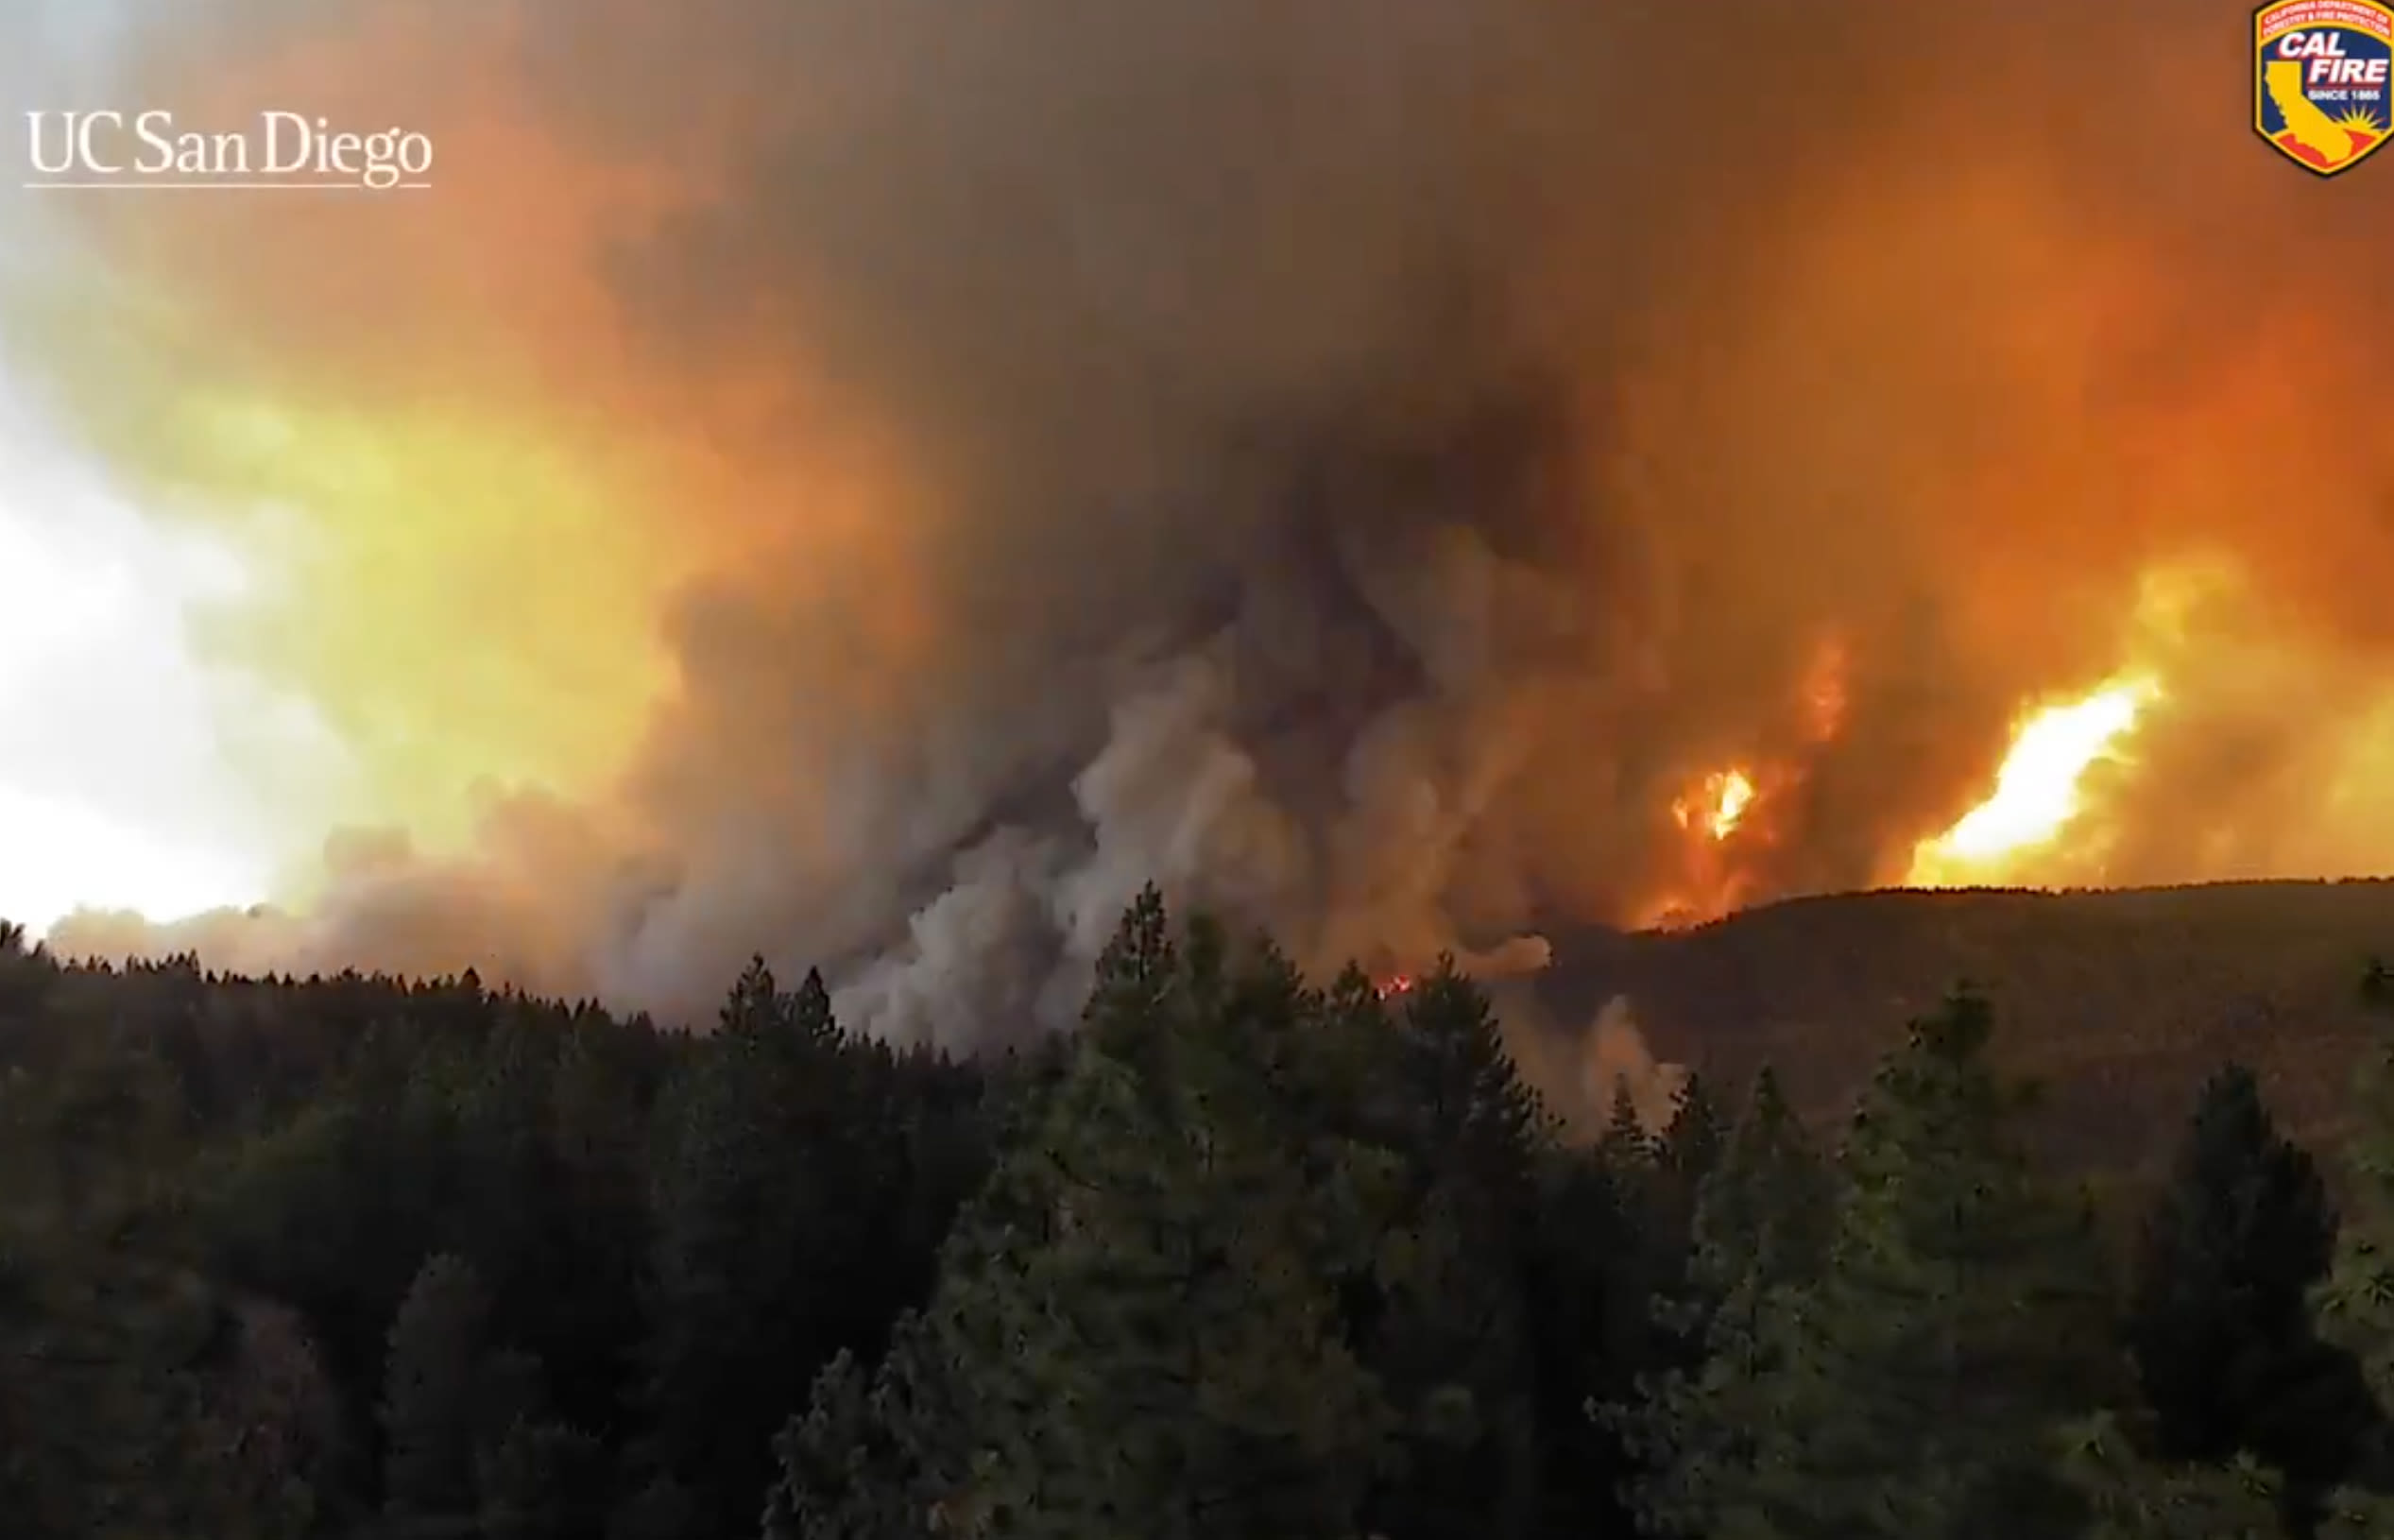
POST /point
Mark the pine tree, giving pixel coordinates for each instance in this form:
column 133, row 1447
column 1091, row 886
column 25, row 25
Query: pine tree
column 2226, row 1259
column 1962, row 1317
column 1691, row 1148
column 1136, row 976
column 1626, row 1143
column 470, row 1446
column 280, row 1421
column 600, row 1147
column 2356, row 1303
column 1648, row 1266
column 869, row 1466
column 1580, row 1283
column 877, row 1456
column 2130, row 1499
column 2219, row 1320
column 542, row 1481
column 776, row 1195
column 1480, row 1121
column 1761, row 1226
column 1764, row 1222
column 835, row 1480
column 1687, row 1153
column 1450, row 1343
column 106, row 1428
column 1136, row 1326
column 1171, row 1356
column 434, row 1412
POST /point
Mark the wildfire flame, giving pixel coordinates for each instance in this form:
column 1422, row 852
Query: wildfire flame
column 2036, row 798
column 1395, row 983
column 1712, row 884
column 1723, row 800
column 2038, row 788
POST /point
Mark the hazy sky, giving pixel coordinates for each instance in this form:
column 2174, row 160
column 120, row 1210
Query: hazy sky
column 116, row 788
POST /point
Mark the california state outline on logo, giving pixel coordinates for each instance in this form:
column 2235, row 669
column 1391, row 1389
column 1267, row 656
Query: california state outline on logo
column 2323, row 81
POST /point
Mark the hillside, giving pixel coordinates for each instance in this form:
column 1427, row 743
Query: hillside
column 2120, row 1002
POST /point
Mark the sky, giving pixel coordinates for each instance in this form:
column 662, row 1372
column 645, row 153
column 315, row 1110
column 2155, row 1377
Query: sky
column 116, row 787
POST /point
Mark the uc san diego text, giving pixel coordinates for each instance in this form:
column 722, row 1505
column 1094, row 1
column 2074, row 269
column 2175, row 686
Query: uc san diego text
column 103, row 146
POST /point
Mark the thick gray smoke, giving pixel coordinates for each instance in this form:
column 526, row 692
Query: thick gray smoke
column 1355, row 463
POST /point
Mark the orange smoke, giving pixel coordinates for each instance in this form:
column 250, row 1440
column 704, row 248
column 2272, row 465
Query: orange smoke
column 877, row 483
column 471, row 499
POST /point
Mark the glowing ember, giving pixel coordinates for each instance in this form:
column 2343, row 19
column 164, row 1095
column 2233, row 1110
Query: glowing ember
column 1725, row 798
column 2037, row 789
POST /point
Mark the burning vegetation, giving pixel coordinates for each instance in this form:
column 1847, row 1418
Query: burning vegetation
column 913, row 493
column 886, row 523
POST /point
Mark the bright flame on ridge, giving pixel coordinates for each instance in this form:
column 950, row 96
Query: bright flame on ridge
column 2037, row 789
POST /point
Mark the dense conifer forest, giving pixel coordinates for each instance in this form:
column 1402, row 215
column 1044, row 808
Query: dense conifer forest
column 1249, row 1256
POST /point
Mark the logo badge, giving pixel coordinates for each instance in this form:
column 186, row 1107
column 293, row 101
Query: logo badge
column 2321, row 96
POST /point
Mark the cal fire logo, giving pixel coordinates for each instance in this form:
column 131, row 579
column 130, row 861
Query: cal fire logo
column 2320, row 88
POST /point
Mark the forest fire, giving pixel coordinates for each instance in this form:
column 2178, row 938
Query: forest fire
column 2037, row 788
column 1725, row 798
column 897, row 589
column 932, row 501
column 1732, row 815
column 1713, row 879
column 2027, row 825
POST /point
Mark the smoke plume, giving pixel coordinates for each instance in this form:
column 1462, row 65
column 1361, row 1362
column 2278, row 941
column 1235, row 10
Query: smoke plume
column 875, row 483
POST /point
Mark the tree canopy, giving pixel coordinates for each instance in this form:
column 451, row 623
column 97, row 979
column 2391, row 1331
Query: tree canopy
column 1247, row 1255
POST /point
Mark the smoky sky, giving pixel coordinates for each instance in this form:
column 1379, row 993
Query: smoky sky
column 1353, row 463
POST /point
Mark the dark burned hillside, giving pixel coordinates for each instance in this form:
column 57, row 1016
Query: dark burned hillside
column 2120, row 1003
